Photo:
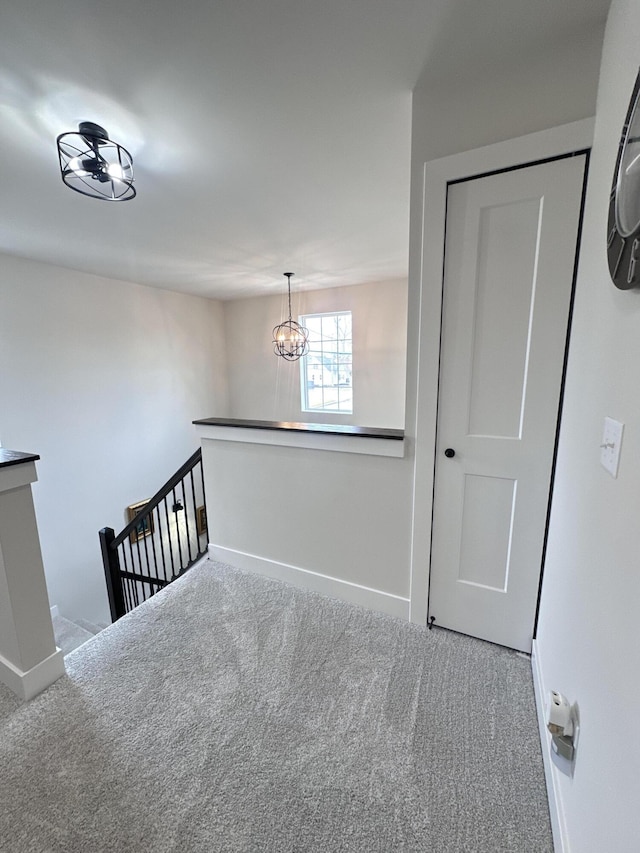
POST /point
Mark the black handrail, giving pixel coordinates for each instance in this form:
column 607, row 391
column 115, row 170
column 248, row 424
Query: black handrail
column 164, row 554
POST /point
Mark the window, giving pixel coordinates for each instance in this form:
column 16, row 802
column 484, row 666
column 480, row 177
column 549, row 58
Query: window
column 325, row 372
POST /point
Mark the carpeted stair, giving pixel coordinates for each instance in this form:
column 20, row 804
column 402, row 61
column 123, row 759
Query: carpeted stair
column 71, row 635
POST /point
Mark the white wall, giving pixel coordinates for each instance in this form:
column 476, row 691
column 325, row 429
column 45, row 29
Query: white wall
column 265, row 387
column 102, row 378
column 554, row 85
column 588, row 638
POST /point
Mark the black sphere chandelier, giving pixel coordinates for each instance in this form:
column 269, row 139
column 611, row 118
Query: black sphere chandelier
column 290, row 339
column 94, row 165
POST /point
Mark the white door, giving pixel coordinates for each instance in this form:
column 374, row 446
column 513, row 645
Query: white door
column 509, row 262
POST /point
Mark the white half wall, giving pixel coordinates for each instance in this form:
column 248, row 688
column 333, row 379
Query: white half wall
column 342, row 517
column 587, row 646
column 265, row 387
column 102, row 378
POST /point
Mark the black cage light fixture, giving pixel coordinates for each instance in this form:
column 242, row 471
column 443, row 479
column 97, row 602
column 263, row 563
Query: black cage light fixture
column 290, row 339
column 94, row 165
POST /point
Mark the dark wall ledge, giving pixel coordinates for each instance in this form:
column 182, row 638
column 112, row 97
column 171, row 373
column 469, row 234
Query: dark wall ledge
column 292, row 426
column 15, row 457
column 341, row 438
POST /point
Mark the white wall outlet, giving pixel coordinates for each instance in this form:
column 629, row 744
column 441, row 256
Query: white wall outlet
column 610, row 447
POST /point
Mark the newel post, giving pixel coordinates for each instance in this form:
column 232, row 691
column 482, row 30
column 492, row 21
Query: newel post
column 29, row 659
column 111, row 564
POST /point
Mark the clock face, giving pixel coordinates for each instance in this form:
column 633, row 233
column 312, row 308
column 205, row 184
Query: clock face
column 623, row 240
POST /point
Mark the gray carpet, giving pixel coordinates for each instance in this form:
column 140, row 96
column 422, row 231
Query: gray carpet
column 234, row 713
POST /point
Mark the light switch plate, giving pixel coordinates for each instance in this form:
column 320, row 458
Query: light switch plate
column 610, row 447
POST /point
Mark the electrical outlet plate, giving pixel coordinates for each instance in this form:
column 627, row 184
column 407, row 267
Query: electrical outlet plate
column 610, row 447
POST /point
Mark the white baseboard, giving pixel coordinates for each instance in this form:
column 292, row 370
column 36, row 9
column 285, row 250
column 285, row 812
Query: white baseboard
column 28, row 684
column 371, row 599
column 55, row 611
column 556, row 813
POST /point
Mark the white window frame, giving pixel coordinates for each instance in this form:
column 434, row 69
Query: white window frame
column 330, row 352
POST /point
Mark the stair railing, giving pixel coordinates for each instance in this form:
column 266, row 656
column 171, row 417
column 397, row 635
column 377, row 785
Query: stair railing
column 160, row 543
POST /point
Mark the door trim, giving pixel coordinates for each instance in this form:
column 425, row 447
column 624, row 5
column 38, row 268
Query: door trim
column 425, row 304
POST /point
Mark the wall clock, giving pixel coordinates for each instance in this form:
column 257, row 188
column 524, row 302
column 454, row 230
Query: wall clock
column 623, row 229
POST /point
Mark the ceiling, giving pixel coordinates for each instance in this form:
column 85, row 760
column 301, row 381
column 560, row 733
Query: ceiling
column 267, row 135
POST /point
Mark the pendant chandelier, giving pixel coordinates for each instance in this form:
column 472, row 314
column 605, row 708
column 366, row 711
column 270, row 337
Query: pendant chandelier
column 290, row 339
column 94, row 165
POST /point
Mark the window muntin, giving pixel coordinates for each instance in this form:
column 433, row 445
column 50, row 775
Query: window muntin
column 326, row 370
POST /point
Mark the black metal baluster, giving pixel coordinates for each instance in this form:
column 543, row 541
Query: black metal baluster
column 195, row 513
column 131, row 585
column 204, row 494
column 124, row 551
column 173, row 566
column 153, row 547
column 126, row 582
column 186, row 522
column 145, row 537
column 132, row 602
column 142, row 590
column 178, row 533
column 134, row 585
column 161, row 540
column 133, row 562
column 204, row 503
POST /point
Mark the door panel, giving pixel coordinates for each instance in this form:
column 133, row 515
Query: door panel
column 504, row 292
column 509, row 257
column 487, row 524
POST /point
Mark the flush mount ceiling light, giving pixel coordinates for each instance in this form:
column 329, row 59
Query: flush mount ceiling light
column 290, row 339
column 94, row 165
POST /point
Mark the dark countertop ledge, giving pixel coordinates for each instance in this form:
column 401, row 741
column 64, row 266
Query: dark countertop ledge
column 290, row 426
column 15, row 457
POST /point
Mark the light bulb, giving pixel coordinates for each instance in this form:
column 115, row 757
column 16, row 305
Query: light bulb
column 115, row 171
column 75, row 165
